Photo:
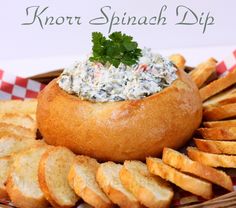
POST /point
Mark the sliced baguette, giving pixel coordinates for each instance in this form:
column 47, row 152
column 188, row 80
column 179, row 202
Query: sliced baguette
column 5, row 163
column 227, row 123
column 186, row 182
column 22, row 183
column 54, row 167
column 220, row 112
column 218, row 133
column 185, row 164
column 18, row 106
column 217, row 147
column 151, row 191
column 178, row 60
column 218, row 85
column 213, row 160
column 226, row 97
column 82, row 178
column 16, row 130
column 108, row 179
column 10, row 145
column 19, row 120
column 203, row 71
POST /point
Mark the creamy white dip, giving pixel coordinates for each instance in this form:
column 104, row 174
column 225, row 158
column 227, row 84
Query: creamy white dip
column 103, row 83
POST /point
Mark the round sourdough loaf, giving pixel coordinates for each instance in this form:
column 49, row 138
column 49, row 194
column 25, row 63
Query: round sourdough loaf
column 117, row 131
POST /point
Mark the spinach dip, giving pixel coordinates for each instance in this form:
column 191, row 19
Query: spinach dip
column 104, row 83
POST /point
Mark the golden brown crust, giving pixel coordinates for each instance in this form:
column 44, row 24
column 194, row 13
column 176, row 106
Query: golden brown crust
column 42, row 176
column 184, row 164
column 186, row 182
column 218, row 133
column 220, row 112
column 121, row 130
column 151, row 191
column 203, row 71
column 227, row 123
column 218, row 85
column 18, row 185
column 108, row 179
column 82, row 178
column 216, row 147
column 225, row 97
column 178, row 60
column 213, row 160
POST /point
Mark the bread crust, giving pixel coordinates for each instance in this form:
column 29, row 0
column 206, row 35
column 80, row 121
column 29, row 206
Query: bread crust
column 136, row 178
column 119, row 196
column 218, row 133
column 16, row 192
column 123, row 130
column 227, row 123
column 216, row 147
column 213, row 160
column 186, row 182
column 91, row 194
column 220, row 112
column 218, row 85
column 203, row 71
column 184, row 164
column 48, row 192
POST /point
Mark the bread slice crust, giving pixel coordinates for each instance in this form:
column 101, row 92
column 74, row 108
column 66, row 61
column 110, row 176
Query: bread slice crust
column 213, row 160
column 82, row 178
column 109, row 180
column 216, row 147
column 184, row 164
column 22, row 183
column 151, row 191
column 186, row 182
column 53, row 170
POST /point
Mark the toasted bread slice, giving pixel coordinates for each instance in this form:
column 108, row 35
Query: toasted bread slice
column 193, row 185
column 218, row 133
column 82, row 178
column 178, row 60
column 54, row 167
column 213, row 160
column 22, row 183
column 5, row 163
column 226, row 123
column 218, row 85
column 10, row 145
column 18, row 106
column 217, row 147
column 109, row 180
column 19, row 120
column 203, row 71
column 220, row 112
column 225, row 97
column 151, row 191
column 11, row 129
column 185, row 164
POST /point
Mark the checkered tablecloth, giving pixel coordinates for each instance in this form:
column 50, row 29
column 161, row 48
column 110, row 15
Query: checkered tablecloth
column 14, row 87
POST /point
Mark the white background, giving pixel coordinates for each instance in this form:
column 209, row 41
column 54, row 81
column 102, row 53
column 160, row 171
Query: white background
column 30, row 49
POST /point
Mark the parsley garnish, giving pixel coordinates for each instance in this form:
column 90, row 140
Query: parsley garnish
column 119, row 48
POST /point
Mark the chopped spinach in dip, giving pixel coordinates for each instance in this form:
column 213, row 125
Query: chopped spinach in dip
column 103, row 83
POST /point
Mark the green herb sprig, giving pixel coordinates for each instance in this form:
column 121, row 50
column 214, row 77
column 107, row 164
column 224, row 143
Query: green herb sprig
column 119, row 48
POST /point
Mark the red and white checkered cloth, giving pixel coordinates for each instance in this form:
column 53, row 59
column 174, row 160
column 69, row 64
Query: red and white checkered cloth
column 14, row 87
column 227, row 65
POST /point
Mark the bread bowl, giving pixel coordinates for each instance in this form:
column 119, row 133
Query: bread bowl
column 120, row 130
